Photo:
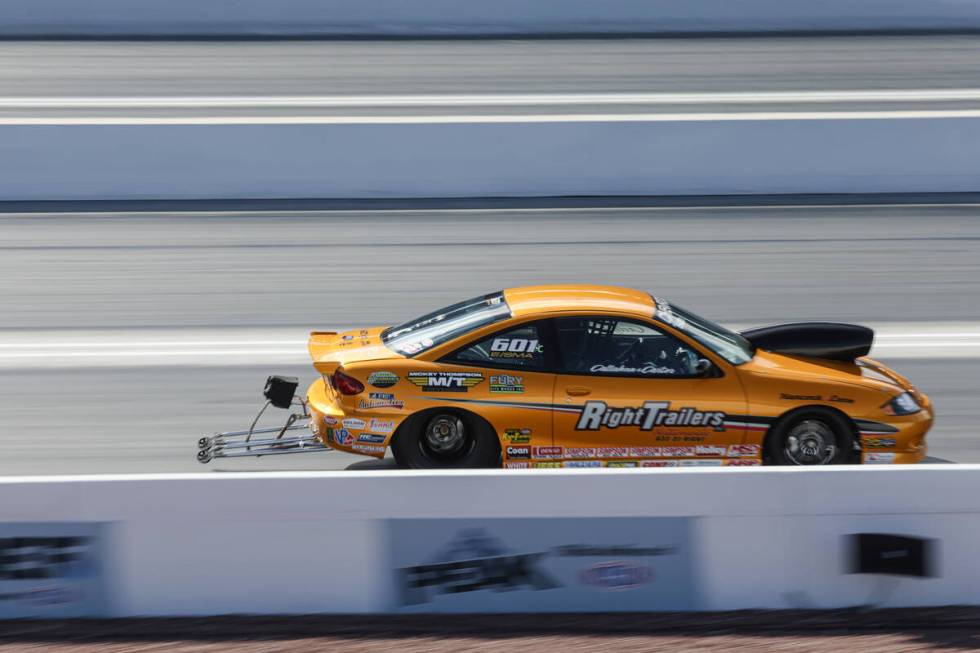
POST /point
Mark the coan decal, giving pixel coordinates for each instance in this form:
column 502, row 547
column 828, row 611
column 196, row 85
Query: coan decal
column 445, row 381
column 597, row 414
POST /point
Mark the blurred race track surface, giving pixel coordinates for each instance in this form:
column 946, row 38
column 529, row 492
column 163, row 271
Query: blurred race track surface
column 183, row 278
column 270, row 78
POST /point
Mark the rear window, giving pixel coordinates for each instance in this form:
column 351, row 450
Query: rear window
column 428, row 331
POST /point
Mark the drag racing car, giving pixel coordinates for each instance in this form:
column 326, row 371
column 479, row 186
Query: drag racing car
column 593, row 376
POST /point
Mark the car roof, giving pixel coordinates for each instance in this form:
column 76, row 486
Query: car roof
column 533, row 300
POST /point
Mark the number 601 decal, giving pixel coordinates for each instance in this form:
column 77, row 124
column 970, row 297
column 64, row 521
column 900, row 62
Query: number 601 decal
column 514, row 348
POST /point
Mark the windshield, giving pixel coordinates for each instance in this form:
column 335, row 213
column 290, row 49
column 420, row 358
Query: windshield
column 428, row 331
column 729, row 345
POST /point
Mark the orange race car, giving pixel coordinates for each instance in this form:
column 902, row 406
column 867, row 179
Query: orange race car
column 595, row 376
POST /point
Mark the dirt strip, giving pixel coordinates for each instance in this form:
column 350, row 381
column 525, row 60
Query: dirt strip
column 946, row 629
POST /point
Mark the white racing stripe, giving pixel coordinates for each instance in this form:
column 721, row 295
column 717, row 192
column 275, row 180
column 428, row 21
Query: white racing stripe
column 287, row 346
column 498, row 100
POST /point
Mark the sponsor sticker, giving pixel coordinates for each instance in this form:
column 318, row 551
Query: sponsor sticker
column 646, row 452
column 353, row 423
column 546, row 465
column 368, row 448
column 582, row 464
column 511, row 348
column 371, row 438
column 878, row 458
column 341, row 436
column 744, row 450
column 546, row 452
column 580, row 452
column 743, row 462
column 701, row 463
column 878, row 443
column 513, row 451
column 658, row 463
column 382, row 379
column 622, row 463
column 506, row 384
column 596, row 415
column 617, row 575
column 677, row 452
column 381, row 400
column 612, row 452
column 330, row 421
column 445, row 381
column 517, row 465
column 709, row 450
column 381, row 425
column 646, row 369
column 518, row 436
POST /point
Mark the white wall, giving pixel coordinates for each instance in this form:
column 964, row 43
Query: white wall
column 663, row 157
column 198, row 544
column 460, row 17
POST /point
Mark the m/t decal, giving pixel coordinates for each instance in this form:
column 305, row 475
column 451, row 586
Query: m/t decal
column 596, row 415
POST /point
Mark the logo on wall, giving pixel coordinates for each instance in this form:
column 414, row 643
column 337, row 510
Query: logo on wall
column 533, row 564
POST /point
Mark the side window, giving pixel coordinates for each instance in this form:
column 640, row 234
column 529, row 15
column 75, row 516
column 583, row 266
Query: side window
column 518, row 348
column 609, row 346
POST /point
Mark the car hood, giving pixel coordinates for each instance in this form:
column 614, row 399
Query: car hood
column 865, row 372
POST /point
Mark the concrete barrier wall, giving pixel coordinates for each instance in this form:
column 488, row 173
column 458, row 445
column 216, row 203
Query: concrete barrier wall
column 466, row 17
column 200, row 544
column 483, row 159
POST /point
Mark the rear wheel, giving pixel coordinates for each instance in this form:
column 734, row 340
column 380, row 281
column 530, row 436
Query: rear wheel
column 444, row 439
column 811, row 436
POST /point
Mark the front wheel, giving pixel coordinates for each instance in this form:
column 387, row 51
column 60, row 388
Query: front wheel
column 446, row 440
column 812, row 436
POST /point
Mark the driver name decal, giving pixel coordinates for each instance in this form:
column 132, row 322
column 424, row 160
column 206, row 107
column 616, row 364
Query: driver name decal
column 597, row 414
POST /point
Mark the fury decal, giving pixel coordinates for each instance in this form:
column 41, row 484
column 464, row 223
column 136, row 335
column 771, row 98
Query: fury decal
column 597, row 414
column 506, row 384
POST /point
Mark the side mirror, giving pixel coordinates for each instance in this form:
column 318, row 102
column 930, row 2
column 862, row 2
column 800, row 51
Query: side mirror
column 704, row 368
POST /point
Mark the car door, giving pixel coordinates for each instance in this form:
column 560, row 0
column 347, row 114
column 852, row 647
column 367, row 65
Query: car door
column 632, row 393
column 518, row 366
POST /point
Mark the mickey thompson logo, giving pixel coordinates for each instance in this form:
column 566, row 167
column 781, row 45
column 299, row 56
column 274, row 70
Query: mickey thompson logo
column 596, row 415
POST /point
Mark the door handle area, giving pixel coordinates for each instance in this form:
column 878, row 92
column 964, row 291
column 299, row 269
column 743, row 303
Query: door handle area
column 577, row 390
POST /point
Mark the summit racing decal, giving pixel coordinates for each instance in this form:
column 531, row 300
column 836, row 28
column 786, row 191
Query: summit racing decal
column 445, row 381
column 597, row 414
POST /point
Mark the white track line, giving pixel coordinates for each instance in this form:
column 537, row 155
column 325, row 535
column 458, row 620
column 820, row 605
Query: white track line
column 283, row 346
column 499, row 119
column 507, row 99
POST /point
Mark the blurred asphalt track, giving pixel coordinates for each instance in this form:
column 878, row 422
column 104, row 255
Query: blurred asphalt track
column 272, row 80
column 124, row 337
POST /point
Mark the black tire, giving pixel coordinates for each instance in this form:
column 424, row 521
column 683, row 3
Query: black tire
column 797, row 439
column 419, row 444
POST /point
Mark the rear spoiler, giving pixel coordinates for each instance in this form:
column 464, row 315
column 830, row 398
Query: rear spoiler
column 830, row 340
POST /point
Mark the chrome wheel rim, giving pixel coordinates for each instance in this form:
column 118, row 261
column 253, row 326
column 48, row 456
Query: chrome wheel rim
column 811, row 442
column 445, row 435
